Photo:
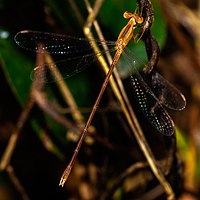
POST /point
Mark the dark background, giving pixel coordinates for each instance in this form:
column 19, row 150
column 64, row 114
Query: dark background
column 39, row 168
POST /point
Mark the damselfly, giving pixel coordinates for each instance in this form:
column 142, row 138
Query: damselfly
column 151, row 90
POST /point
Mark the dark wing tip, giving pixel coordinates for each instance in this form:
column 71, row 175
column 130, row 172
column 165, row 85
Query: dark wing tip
column 18, row 36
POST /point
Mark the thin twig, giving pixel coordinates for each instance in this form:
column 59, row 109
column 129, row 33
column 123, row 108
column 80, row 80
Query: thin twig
column 5, row 160
column 16, row 182
column 178, row 34
column 76, row 114
column 77, row 12
column 120, row 179
column 48, row 107
column 131, row 118
column 6, row 157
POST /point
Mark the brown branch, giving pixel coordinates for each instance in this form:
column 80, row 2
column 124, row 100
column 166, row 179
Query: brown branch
column 6, row 157
column 16, row 182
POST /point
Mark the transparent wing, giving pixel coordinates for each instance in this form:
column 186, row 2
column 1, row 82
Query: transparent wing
column 55, row 43
column 66, row 68
column 149, row 103
column 152, row 109
column 77, row 52
column 167, row 94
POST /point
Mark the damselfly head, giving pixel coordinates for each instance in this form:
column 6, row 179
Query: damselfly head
column 138, row 19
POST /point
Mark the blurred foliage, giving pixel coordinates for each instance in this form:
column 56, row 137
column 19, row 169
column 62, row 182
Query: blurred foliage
column 17, row 69
column 17, row 64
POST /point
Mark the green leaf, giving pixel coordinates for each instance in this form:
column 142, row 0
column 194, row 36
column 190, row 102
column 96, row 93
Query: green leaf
column 111, row 16
column 16, row 67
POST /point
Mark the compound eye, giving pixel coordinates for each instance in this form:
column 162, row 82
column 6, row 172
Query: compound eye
column 128, row 15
